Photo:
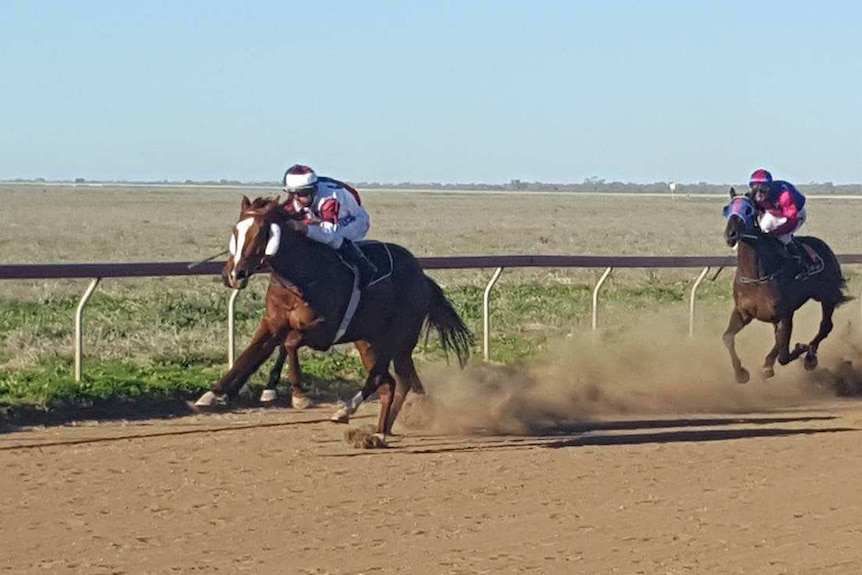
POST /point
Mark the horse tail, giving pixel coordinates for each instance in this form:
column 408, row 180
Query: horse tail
column 842, row 283
column 844, row 298
column 453, row 332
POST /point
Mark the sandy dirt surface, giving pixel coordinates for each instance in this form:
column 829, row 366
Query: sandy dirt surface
column 279, row 491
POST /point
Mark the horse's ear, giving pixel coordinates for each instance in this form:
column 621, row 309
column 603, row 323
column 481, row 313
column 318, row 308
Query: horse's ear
column 246, row 203
column 732, row 193
column 272, row 205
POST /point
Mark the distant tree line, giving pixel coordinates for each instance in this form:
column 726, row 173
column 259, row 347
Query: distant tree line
column 589, row 185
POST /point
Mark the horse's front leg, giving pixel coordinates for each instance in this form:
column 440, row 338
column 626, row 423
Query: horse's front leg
column 298, row 397
column 270, row 394
column 288, row 351
column 827, row 309
column 737, row 321
column 263, row 343
column 782, row 340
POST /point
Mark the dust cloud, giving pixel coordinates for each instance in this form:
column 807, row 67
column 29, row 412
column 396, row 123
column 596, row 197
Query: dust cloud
column 646, row 369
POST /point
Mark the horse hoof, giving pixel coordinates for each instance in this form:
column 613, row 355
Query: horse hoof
column 767, row 372
column 742, row 376
column 300, row 401
column 810, row 362
column 362, row 438
column 341, row 416
column 211, row 401
column 268, row 396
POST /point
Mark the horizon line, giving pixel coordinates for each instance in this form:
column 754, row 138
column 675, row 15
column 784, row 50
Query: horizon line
column 512, row 184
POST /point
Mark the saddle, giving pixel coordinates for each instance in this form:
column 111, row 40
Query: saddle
column 378, row 253
column 802, row 260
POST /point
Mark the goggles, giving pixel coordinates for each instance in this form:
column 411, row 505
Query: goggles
column 304, row 192
column 761, row 188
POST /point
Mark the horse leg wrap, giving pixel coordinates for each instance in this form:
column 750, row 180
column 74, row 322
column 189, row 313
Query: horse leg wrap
column 355, row 402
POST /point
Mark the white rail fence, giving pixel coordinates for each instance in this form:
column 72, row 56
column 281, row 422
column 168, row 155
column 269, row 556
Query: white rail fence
column 97, row 272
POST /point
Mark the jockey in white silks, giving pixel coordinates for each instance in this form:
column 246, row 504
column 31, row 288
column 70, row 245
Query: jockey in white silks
column 333, row 213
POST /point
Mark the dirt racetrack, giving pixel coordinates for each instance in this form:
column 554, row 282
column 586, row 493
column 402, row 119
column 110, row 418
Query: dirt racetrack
column 278, row 491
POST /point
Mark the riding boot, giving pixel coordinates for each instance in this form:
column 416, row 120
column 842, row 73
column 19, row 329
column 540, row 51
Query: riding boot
column 356, row 258
column 800, row 268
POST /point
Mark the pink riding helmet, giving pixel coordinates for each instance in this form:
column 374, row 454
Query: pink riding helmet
column 760, row 176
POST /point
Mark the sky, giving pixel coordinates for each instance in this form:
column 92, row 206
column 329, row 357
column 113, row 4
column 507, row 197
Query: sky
column 460, row 91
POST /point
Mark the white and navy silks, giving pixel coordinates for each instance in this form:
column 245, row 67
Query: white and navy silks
column 334, row 215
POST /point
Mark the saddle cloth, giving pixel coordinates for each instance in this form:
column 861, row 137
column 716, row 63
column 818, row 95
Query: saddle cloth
column 381, row 257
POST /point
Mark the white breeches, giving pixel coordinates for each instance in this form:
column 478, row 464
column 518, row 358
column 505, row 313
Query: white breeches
column 768, row 222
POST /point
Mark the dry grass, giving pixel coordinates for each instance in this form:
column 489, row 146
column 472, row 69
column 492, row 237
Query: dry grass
column 65, row 224
column 115, row 224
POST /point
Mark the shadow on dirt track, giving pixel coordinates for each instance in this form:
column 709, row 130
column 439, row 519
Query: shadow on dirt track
column 627, row 432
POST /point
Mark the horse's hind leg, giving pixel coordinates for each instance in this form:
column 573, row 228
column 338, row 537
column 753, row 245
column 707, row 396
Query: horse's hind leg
column 386, row 394
column 768, row 369
column 827, row 309
column 734, row 326
column 406, row 379
column 377, row 361
column 369, row 360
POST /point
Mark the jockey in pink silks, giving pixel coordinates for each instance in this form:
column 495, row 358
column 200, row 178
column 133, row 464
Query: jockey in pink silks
column 782, row 211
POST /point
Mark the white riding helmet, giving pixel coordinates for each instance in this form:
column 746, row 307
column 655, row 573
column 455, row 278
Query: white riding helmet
column 298, row 177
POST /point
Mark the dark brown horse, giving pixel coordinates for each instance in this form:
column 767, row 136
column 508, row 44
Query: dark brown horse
column 312, row 301
column 767, row 287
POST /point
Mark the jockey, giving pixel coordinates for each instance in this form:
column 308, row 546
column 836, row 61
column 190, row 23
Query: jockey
column 333, row 214
column 782, row 210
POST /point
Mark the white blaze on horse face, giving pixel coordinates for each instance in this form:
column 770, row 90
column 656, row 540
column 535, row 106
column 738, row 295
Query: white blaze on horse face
column 238, row 241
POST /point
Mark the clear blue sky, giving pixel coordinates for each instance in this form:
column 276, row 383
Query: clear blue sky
column 427, row 90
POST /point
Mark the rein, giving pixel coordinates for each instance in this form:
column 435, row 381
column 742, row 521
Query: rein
column 758, row 280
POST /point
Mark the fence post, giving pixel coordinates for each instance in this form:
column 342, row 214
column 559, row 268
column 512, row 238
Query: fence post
column 691, row 301
column 231, row 327
column 79, row 328
column 596, row 297
column 486, row 315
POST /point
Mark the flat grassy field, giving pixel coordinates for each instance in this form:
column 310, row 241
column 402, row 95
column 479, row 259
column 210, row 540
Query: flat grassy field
column 164, row 338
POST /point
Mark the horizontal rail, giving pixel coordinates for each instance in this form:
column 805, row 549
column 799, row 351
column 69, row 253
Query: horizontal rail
column 154, row 269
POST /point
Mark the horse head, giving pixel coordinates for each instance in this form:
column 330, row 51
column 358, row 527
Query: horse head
column 255, row 239
column 740, row 214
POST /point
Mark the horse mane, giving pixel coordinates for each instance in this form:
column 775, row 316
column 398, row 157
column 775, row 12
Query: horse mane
column 767, row 247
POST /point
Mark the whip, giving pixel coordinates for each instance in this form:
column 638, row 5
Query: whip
column 209, row 259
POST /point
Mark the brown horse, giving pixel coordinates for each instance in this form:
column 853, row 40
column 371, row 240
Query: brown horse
column 768, row 288
column 312, row 301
